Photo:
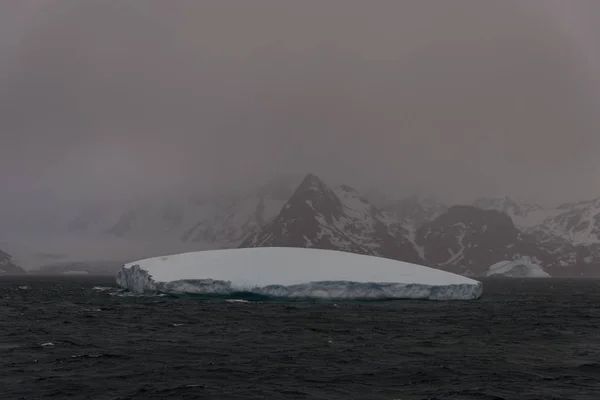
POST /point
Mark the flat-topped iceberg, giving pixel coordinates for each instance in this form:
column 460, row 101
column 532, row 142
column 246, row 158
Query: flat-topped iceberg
column 293, row 273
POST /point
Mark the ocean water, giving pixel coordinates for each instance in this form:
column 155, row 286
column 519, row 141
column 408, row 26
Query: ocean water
column 82, row 338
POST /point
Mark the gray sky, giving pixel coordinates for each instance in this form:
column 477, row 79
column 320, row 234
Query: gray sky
column 460, row 98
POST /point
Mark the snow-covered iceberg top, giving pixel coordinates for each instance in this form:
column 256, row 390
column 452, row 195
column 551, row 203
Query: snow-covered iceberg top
column 294, row 273
column 523, row 268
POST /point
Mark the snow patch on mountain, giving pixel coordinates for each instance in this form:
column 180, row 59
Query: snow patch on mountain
column 340, row 219
column 228, row 226
column 578, row 223
column 523, row 215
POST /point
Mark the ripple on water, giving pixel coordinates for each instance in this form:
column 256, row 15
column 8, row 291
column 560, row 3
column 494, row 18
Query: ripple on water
column 522, row 340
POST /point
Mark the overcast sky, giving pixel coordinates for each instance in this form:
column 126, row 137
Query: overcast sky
column 459, row 98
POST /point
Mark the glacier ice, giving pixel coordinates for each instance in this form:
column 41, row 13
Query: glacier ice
column 293, row 273
column 521, row 268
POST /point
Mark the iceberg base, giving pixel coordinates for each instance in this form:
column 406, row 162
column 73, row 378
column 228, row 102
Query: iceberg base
column 137, row 280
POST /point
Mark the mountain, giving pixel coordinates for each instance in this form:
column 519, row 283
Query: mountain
column 228, row 226
column 579, row 223
column 157, row 217
column 339, row 219
column 469, row 239
column 462, row 239
column 200, row 221
column 575, row 223
column 414, row 211
column 166, row 223
column 306, row 212
column 523, row 215
column 7, row 266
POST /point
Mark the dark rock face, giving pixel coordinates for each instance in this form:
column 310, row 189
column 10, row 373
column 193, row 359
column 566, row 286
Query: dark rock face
column 413, row 211
column 306, row 212
column 7, row 266
column 307, row 220
column 320, row 217
column 471, row 239
column 468, row 239
column 577, row 221
column 462, row 239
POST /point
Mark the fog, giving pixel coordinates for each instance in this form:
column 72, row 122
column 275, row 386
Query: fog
column 458, row 99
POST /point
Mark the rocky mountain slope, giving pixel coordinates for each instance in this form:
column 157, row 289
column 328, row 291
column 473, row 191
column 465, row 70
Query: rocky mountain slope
column 577, row 223
column 468, row 240
column 7, row 266
column 321, row 217
column 214, row 221
column 465, row 239
column 239, row 217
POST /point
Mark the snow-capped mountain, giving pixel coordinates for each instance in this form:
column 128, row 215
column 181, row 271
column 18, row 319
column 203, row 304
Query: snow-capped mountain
column 213, row 221
column 464, row 239
column 523, row 215
column 470, row 239
column 7, row 266
column 577, row 223
column 144, row 218
column 339, row 219
column 414, row 211
column 230, row 224
column 149, row 226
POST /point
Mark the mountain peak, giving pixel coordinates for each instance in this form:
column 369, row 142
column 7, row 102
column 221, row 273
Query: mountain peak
column 280, row 188
column 313, row 196
column 7, row 266
column 311, row 182
column 318, row 216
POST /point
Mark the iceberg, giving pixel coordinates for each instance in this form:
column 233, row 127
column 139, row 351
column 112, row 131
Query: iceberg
column 293, row 273
column 281, row 272
column 522, row 268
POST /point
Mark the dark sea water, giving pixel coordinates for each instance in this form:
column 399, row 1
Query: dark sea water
column 82, row 338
